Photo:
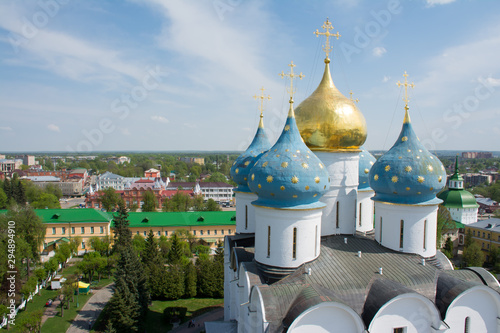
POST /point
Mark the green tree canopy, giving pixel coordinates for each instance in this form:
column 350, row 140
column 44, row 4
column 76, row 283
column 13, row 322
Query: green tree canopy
column 109, row 199
column 149, row 200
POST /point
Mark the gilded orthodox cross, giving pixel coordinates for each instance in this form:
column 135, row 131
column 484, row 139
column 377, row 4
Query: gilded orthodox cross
column 291, row 75
column 262, row 98
column 327, row 26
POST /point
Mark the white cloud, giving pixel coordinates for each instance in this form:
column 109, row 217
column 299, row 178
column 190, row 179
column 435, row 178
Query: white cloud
column 5, row 128
column 379, row 51
column 492, row 81
column 432, row 3
column 160, row 119
column 53, row 127
column 386, row 79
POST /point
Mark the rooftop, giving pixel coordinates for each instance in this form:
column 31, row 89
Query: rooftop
column 180, row 219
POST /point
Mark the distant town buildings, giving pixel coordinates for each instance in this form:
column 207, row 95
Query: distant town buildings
column 475, row 179
column 486, row 205
column 152, row 173
column 477, row 154
column 9, row 165
column 197, row 160
column 69, row 187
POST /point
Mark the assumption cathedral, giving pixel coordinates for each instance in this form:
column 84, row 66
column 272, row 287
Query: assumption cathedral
column 329, row 239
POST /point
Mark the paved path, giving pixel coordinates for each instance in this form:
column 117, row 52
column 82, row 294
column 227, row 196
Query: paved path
column 90, row 311
column 217, row 314
column 50, row 311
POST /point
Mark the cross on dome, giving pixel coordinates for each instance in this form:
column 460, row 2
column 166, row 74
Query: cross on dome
column 354, row 100
column 262, row 98
column 327, row 26
column 406, row 84
column 291, row 75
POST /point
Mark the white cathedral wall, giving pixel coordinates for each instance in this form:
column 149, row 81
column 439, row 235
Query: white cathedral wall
column 343, row 170
column 419, row 232
column 481, row 304
column 364, row 217
column 282, row 223
column 327, row 317
column 245, row 213
column 228, row 276
column 255, row 319
column 413, row 312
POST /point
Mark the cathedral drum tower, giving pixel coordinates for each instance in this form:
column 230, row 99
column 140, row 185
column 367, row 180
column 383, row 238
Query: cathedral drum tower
column 245, row 219
column 405, row 180
column 333, row 128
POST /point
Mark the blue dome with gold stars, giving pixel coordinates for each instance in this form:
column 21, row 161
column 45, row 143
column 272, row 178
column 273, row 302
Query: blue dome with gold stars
column 408, row 173
column 244, row 162
column 289, row 175
column 366, row 161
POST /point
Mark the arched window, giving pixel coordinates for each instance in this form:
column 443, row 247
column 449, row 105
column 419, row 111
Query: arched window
column 337, row 215
column 467, row 325
column 294, row 245
column 246, row 217
column 425, row 234
column 401, row 233
column 381, row 229
column 316, row 241
column 268, row 241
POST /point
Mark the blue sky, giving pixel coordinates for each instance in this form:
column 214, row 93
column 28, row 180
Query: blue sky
column 80, row 76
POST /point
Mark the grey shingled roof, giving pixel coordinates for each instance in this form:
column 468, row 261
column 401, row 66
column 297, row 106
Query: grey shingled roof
column 348, row 278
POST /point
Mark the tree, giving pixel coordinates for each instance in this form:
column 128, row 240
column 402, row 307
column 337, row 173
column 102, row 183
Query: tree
column 189, row 279
column 122, row 233
column 217, row 177
column 67, row 293
column 212, row 206
column 493, row 256
column 448, row 248
column 174, row 281
column 149, row 200
column 134, row 207
column 55, row 190
column 150, row 249
column 4, row 201
column 32, row 322
column 74, row 243
column 139, row 244
column 444, row 224
column 473, row 255
column 109, row 199
column 179, row 202
column 176, row 253
column 46, row 200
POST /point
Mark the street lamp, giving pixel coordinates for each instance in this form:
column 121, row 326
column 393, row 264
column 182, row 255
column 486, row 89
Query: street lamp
column 77, row 291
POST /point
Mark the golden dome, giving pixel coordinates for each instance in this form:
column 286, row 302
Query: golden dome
column 327, row 120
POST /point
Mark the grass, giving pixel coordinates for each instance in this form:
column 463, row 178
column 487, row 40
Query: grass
column 61, row 324
column 195, row 306
column 38, row 303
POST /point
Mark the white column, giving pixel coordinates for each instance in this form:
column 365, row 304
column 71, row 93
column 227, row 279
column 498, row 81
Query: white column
column 245, row 212
column 274, row 236
column 364, row 216
column 419, row 227
column 343, row 170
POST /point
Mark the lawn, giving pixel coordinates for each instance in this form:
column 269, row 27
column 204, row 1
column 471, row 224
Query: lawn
column 195, row 306
column 61, row 324
column 38, row 302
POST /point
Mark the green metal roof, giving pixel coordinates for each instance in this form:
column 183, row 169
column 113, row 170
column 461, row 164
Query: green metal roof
column 182, row 219
column 72, row 215
column 58, row 241
column 458, row 199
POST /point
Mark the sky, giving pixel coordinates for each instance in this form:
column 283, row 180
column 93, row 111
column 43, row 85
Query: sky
column 158, row 75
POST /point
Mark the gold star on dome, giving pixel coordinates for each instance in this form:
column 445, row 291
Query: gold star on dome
column 408, row 150
column 298, row 151
column 269, row 179
column 259, row 186
column 408, row 168
column 307, row 156
column 430, row 168
column 387, row 168
column 404, row 138
column 295, row 179
column 307, row 188
column 287, row 150
column 284, row 164
column 440, row 179
column 294, row 196
column 274, row 150
column 272, row 194
column 237, row 171
column 282, row 188
column 375, row 177
column 367, row 171
column 431, row 188
column 277, row 155
column 287, row 128
column 400, row 157
column 316, row 179
column 315, row 195
column 419, row 192
column 371, row 163
column 247, row 163
column 265, row 164
column 245, row 179
column 321, row 166
column 394, row 179
column 293, row 155
column 418, row 157
column 305, row 165
column 407, row 188
column 420, row 179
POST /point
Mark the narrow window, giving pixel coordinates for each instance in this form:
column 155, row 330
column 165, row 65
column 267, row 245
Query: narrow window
column 91, row 230
column 215, row 232
column 360, row 206
column 83, row 245
column 63, row 230
column 83, row 230
column 400, row 330
column 72, row 230
column 222, row 231
column 159, row 233
column 337, row 215
column 316, row 242
column 381, row 229
column 53, row 231
column 246, row 217
column 101, row 230
column 467, row 325
column 145, row 233
column 425, row 234
column 268, row 241
column 294, row 245
column 401, row 233
column 208, row 232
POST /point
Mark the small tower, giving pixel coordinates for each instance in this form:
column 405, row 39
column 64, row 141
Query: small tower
column 333, row 127
column 245, row 217
column 288, row 180
column 364, row 218
column 461, row 204
column 406, row 180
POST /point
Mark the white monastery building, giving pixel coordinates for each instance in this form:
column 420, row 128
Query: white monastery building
column 330, row 240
